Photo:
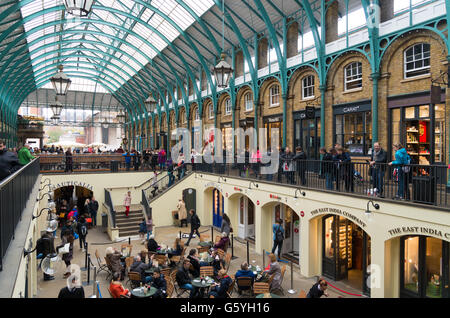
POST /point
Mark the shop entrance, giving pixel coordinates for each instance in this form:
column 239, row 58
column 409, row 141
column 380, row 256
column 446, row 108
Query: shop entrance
column 218, row 207
column 75, row 197
column 291, row 225
column 307, row 136
column 246, row 228
column 346, row 252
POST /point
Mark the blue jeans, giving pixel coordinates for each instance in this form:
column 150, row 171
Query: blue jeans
column 401, row 183
column 378, row 178
column 148, row 234
column 171, row 179
column 191, row 288
column 329, row 181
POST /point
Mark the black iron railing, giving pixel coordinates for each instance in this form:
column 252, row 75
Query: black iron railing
column 110, row 206
column 14, row 193
column 425, row 184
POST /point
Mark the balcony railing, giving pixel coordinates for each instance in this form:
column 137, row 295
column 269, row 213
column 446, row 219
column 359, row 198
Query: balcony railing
column 14, row 193
column 423, row 184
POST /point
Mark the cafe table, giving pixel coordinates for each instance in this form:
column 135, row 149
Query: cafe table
column 209, row 259
column 139, row 293
column 202, row 285
column 268, row 295
column 152, row 269
column 205, row 244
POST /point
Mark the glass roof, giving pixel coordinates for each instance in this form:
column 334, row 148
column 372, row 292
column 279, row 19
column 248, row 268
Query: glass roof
column 114, row 42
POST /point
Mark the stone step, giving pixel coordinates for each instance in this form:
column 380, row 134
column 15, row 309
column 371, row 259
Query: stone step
column 123, row 234
column 128, row 227
column 122, row 215
column 131, row 223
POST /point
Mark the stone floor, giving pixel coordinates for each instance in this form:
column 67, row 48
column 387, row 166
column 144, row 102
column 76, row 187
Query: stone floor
column 166, row 235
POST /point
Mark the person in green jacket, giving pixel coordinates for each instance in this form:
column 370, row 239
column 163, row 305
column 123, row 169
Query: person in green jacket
column 25, row 155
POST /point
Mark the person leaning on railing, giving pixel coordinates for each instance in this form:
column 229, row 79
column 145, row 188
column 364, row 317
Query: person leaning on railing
column 9, row 163
column 378, row 167
column 402, row 159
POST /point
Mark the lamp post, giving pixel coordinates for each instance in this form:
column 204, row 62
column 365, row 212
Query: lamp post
column 150, row 104
column 80, row 8
column 60, row 82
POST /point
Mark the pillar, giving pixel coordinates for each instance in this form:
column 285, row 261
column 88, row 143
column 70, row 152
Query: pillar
column 386, row 10
column 375, row 77
column 259, row 229
column 331, row 21
column 262, row 53
column 378, row 268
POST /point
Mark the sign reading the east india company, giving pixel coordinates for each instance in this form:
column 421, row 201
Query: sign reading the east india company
column 71, row 183
column 346, row 214
column 418, row 230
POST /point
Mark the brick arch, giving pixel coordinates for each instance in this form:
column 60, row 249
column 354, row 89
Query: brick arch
column 264, row 97
column 337, row 67
column 181, row 115
column 296, row 80
column 172, row 120
column 404, row 41
column 205, row 110
column 191, row 116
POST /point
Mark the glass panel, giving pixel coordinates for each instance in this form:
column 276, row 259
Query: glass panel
column 241, row 210
column 329, row 243
column 439, row 133
column 395, row 124
column 411, row 264
column 251, row 213
column 424, row 111
column 287, row 222
column 410, row 112
column 433, row 267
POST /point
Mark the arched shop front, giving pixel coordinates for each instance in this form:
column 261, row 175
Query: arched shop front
column 246, row 226
column 74, row 195
column 217, row 207
column 345, row 251
column 291, row 225
column 424, row 267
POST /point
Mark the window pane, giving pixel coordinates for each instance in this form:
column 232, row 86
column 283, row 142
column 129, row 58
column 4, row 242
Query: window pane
column 411, row 264
column 329, row 244
column 410, row 112
column 424, row 111
column 433, row 267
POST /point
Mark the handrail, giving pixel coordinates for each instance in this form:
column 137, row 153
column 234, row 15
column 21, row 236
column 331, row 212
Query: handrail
column 110, row 206
column 16, row 173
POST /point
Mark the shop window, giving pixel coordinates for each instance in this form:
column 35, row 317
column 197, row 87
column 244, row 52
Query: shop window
column 433, row 267
column 395, row 124
column 228, row 106
column 196, row 114
column 417, row 60
column 274, row 95
column 353, row 131
column 308, row 87
column 439, row 133
column 248, row 98
column 329, row 244
column 211, row 111
column 353, row 76
column 411, row 265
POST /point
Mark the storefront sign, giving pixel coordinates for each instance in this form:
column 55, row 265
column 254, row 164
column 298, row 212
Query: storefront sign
column 302, row 214
column 273, row 120
column 213, row 185
column 352, row 108
column 406, row 230
column 346, row 214
column 53, row 187
column 237, row 189
column 273, row 196
column 226, row 125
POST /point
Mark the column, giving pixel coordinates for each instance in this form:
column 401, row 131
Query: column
column 376, row 277
column 331, row 21
column 259, row 229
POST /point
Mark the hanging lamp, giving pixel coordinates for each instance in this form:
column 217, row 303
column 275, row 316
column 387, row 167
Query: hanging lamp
column 60, row 82
column 79, row 8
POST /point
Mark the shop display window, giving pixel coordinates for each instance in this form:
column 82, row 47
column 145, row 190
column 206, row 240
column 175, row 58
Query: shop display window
column 354, row 131
column 329, row 244
column 227, row 138
column 439, row 133
column 411, row 264
column 433, row 267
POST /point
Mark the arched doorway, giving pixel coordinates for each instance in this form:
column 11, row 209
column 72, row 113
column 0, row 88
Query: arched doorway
column 74, row 195
column 291, row 224
column 246, row 224
column 345, row 251
column 424, row 267
column 218, row 207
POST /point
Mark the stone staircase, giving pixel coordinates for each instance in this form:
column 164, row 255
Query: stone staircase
column 128, row 226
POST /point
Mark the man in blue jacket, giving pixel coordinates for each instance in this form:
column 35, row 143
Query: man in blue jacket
column 278, row 237
column 244, row 272
column 402, row 159
column 128, row 156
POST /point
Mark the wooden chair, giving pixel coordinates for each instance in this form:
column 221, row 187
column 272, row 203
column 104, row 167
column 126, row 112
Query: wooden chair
column 161, row 259
column 260, row 288
column 102, row 266
column 126, row 247
column 170, row 287
column 108, row 264
column 244, row 282
column 206, row 271
column 178, row 291
column 230, row 289
column 203, row 249
column 166, row 272
column 228, row 260
column 128, row 262
column 221, row 253
column 178, row 258
column 134, row 279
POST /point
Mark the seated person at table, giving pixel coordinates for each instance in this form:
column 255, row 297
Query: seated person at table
column 177, row 249
column 274, row 269
column 196, row 262
column 220, row 290
column 184, row 280
column 113, row 256
column 218, row 263
column 152, row 246
column 223, row 242
column 244, row 272
column 160, row 284
column 140, row 267
column 116, row 288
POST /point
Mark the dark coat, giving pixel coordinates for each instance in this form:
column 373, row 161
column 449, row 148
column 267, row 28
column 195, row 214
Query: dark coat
column 140, row 267
column 314, row 292
column 195, row 222
column 93, row 207
column 75, row 293
column 196, row 265
column 182, row 277
column 382, row 159
column 160, row 283
column 152, row 246
column 114, row 260
column 327, row 164
column 222, row 289
column 9, row 163
column 45, row 244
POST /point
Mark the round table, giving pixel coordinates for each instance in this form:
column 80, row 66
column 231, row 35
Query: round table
column 152, row 270
column 208, row 260
column 140, row 294
column 196, row 282
column 268, row 296
column 205, row 244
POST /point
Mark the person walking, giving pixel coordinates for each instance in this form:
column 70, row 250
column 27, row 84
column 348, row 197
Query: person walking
column 45, row 246
column 195, row 225
column 154, row 183
column 378, row 164
column 182, row 213
column 82, row 231
column 278, row 237
column 162, row 158
column 69, row 161
column 9, row 162
column 127, row 202
column 93, row 209
column 142, row 230
column 170, row 167
column 25, row 155
column 226, row 225
column 67, row 238
column 150, row 225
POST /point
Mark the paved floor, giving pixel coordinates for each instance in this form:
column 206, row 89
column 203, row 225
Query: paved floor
column 166, row 235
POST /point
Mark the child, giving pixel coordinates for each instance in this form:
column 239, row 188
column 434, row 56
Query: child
column 142, row 230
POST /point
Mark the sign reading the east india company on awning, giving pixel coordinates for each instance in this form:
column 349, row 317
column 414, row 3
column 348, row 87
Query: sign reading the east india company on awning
column 346, row 214
column 71, row 183
column 421, row 230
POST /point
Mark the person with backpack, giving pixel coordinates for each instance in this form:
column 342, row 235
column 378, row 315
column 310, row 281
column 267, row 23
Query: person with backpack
column 82, row 232
column 402, row 160
column 195, row 225
column 93, row 208
column 278, row 237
